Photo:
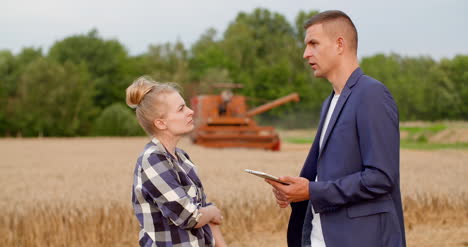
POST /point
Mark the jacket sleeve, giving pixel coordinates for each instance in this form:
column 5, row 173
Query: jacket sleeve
column 379, row 144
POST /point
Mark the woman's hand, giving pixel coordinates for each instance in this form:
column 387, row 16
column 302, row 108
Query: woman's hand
column 218, row 217
column 218, row 236
column 210, row 214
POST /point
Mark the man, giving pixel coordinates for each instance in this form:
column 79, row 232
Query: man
column 348, row 192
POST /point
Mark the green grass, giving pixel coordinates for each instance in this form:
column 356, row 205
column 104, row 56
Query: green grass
column 299, row 140
column 422, row 134
column 417, row 138
column 418, row 130
column 404, row 144
column 431, row 146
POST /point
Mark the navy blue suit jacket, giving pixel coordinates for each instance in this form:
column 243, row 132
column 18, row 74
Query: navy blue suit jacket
column 358, row 189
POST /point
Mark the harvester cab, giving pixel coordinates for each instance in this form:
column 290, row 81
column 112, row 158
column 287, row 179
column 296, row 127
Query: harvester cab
column 222, row 120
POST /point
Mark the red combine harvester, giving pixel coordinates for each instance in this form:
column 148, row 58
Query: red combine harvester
column 223, row 121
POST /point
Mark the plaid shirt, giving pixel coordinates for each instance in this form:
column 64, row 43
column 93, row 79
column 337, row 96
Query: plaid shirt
column 167, row 194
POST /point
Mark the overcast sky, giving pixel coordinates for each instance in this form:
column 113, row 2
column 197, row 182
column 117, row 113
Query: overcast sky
column 437, row 28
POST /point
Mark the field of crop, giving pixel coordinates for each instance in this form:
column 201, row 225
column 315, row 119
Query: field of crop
column 76, row 192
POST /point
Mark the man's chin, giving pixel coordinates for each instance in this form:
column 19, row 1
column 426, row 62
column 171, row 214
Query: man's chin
column 317, row 74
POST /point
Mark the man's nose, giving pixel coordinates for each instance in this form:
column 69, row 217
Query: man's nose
column 307, row 53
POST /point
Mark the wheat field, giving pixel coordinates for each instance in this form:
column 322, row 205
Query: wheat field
column 76, row 192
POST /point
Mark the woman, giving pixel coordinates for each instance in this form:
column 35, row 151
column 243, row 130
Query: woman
column 168, row 197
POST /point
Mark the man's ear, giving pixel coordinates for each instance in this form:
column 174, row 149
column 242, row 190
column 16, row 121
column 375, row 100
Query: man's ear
column 340, row 45
column 160, row 124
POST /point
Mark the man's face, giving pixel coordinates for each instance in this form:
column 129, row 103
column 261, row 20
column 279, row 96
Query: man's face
column 320, row 50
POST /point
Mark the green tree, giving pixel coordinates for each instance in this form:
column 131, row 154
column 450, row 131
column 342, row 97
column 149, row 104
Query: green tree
column 167, row 62
column 208, row 60
column 263, row 55
column 300, row 20
column 53, row 100
column 456, row 71
column 11, row 68
column 106, row 60
column 420, row 87
column 7, row 90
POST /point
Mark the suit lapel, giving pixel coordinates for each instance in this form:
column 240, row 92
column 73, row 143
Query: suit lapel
column 336, row 113
column 352, row 80
column 323, row 115
column 310, row 167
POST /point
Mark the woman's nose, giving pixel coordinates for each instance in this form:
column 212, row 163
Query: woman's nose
column 190, row 111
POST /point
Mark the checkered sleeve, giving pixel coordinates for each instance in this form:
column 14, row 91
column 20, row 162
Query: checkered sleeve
column 161, row 182
column 204, row 199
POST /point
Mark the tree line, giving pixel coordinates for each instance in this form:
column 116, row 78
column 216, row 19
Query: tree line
column 77, row 88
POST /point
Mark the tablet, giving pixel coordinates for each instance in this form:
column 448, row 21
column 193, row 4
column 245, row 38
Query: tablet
column 265, row 175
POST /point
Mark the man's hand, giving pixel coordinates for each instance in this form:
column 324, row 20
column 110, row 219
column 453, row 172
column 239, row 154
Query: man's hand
column 296, row 191
column 280, row 199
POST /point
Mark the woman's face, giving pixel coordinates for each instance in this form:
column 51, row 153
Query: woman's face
column 178, row 117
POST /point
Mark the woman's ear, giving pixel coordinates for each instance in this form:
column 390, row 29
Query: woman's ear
column 160, row 124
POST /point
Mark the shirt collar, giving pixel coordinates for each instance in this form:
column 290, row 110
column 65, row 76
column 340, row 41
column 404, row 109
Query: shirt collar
column 162, row 148
column 178, row 152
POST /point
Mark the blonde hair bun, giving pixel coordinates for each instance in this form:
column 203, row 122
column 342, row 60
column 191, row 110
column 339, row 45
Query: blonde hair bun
column 137, row 91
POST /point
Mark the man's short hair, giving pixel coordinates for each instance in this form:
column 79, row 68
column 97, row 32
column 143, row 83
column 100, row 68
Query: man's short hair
column 343, row 25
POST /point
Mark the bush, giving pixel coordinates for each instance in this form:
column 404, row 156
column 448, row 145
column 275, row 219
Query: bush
column 117, row 120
